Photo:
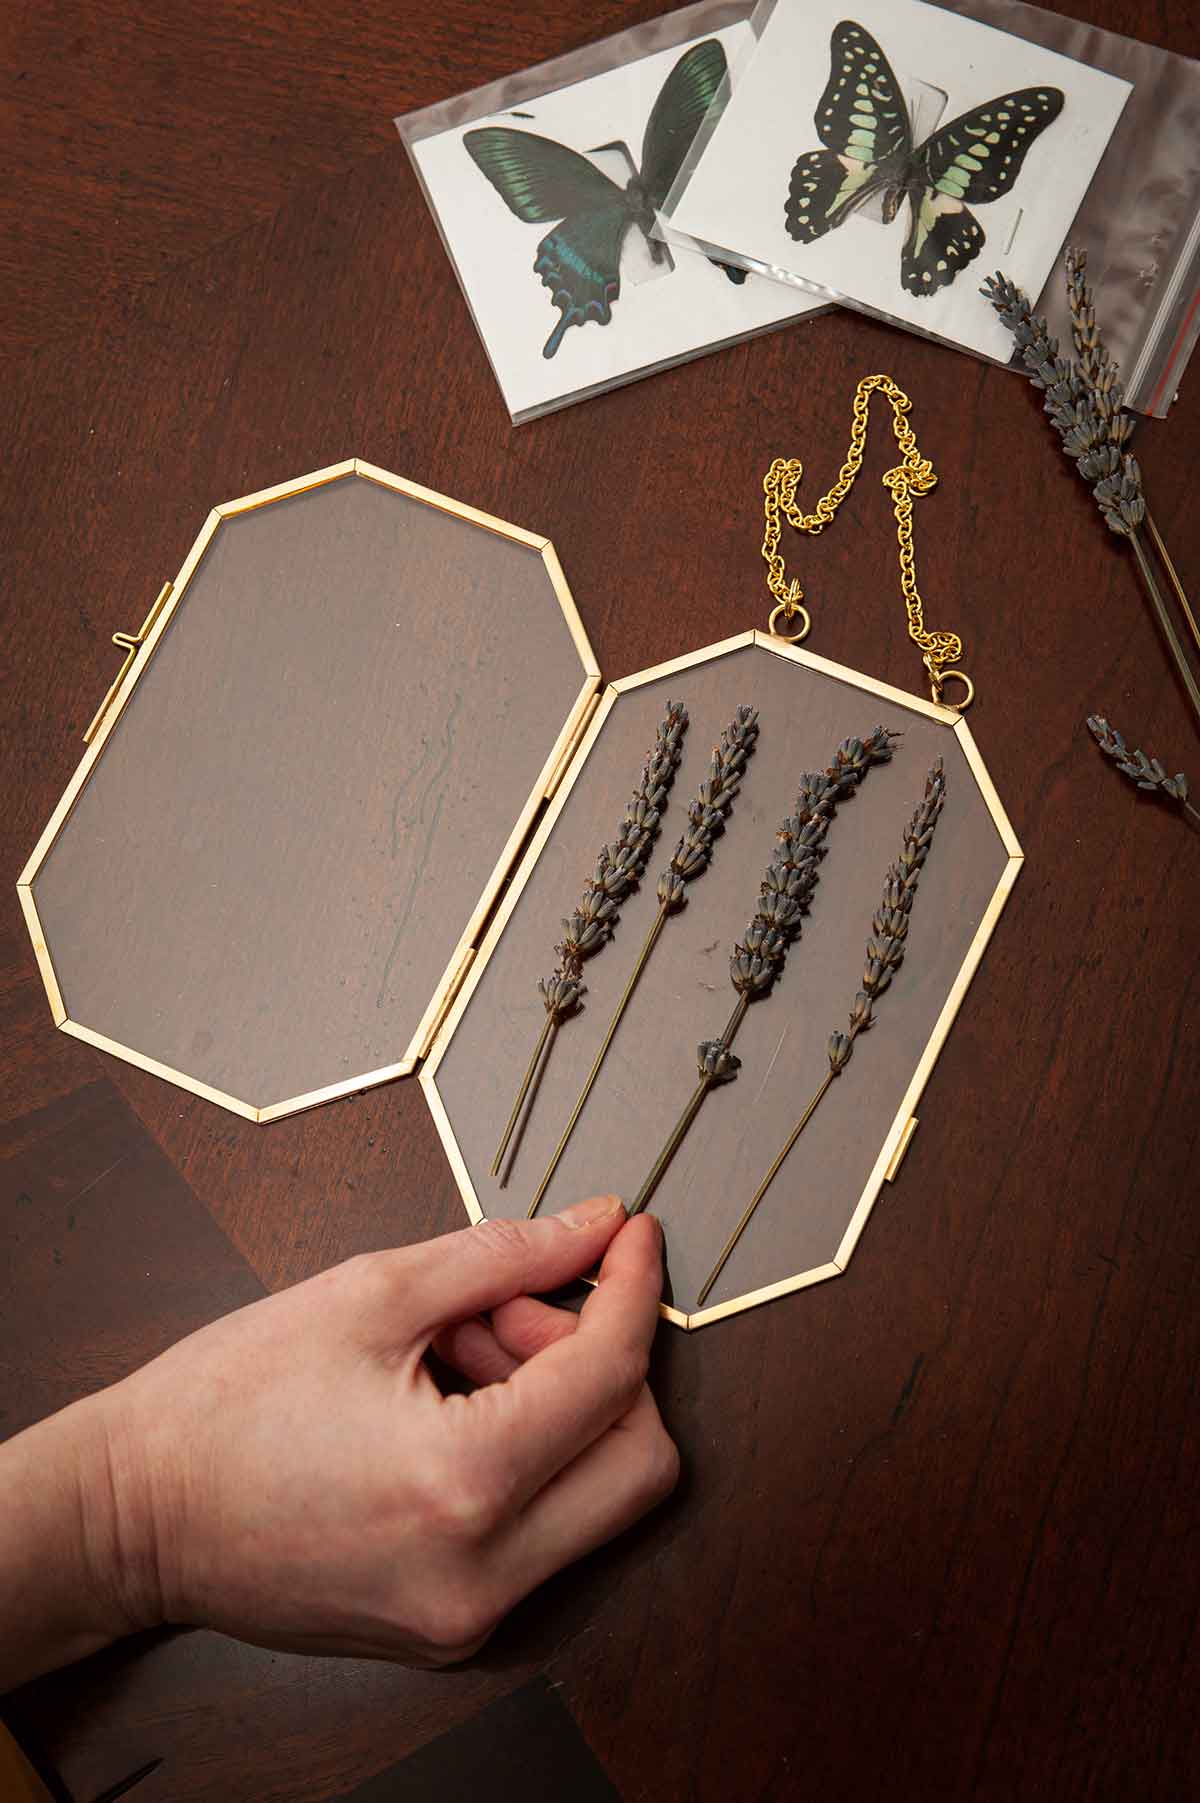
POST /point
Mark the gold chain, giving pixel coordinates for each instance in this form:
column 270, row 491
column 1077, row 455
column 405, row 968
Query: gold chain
column 913, row 475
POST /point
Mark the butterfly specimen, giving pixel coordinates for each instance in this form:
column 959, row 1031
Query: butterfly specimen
column 540, row 180
column 863, row 119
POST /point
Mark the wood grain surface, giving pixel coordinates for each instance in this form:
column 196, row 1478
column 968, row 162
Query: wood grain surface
column 937, row 1533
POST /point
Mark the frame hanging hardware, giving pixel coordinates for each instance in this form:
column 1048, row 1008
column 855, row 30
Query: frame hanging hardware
column 939, row 677
column 914, row 475
column 789, row 606
column 130, row 643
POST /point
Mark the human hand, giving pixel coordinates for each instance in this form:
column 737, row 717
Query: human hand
column 292, row 1474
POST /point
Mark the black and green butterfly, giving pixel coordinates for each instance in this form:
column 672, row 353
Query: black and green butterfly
column 864, row 122
column 540, row 180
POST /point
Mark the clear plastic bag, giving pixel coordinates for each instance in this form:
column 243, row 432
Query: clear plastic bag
column 1140, row 219
column 667, row 302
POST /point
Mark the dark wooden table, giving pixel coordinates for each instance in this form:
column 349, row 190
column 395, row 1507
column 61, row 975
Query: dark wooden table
column 937, row 1534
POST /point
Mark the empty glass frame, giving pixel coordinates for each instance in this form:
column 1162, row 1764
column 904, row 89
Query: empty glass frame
column 272, row 864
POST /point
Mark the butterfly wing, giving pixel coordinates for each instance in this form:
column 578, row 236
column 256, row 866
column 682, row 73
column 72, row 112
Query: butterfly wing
column 539, row 181
column 683, row 101
column 974, row 159
column 580, row 263
column 675, row 117
column 943, row 237
column 862, row 120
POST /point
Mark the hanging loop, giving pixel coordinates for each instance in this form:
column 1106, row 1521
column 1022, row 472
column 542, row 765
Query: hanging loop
column 939, row 678
column 789, row 612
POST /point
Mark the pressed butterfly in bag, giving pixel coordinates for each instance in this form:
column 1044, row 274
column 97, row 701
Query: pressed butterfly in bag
column 863, row 120
column 540, row 180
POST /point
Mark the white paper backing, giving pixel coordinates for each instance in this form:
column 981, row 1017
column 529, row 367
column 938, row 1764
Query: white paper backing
column 734, row 196
column 657, row 320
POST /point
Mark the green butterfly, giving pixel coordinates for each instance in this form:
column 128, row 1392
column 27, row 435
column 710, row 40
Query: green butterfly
column 540, row 180
column 863, row 120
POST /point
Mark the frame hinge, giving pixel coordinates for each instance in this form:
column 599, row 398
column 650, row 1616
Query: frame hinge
column 570, row 748
column 130, row 643
column 902, row 1145
column 448, row 1000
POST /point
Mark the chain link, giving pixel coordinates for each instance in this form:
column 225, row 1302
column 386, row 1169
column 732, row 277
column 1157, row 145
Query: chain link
column 913, row 475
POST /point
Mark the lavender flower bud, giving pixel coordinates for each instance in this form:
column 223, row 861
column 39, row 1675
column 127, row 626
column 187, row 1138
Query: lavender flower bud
column 715, row 1060
column 561, row 994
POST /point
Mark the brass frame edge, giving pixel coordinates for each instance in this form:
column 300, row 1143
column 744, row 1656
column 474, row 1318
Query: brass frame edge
column 280, row 491
column 41, row 952
column 371, row 472
column 102, row 1043
column 987, row 787
column 131, row 644
column 333, row 1092
column 449, row 1141
column 116, row 707
column 571, row 747
column 566, row 601
column 738, row 1305
column 436, row 1014
column 516, row 887
column 705, row 654
column 902, row 1144
column 929, row 1057
column 452, row 988
column 843, row 673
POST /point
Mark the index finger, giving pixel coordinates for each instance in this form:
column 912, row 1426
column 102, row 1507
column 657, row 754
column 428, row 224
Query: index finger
column 562, row 1399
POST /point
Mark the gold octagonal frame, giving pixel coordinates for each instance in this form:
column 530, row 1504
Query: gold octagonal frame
column 904, row 1122
column 140, row 649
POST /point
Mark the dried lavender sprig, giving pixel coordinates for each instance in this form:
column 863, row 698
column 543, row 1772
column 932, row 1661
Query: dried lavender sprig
column 1145, row 771
column 889, row 924
column 1098, row 368
column 885, row 954
column 706, row 821
column 793, row 872
column 1084, row 402
column 708, row 812
column 618, row 869
column 784, row 898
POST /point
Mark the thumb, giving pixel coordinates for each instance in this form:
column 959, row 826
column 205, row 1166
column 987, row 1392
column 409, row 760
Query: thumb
column 460, row 1274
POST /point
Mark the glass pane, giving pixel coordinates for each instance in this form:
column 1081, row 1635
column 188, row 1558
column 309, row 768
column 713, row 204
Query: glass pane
column 308, row 791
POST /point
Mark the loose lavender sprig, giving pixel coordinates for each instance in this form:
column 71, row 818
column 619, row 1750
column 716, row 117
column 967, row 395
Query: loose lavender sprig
column 787, row 887
column 618, row 869
column 885, row 954
column 1084, row 400
column 1145, row 771
column 1085, row 403
column 690, row 859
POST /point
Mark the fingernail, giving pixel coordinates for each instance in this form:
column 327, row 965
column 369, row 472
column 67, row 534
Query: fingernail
column 596, row 1208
